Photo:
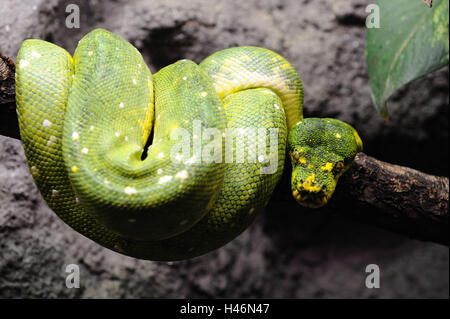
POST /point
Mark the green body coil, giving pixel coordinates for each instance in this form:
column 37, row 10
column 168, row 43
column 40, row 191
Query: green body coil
column 86, row 123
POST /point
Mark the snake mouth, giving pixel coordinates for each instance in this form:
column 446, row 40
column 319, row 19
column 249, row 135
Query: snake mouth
column 310, row 199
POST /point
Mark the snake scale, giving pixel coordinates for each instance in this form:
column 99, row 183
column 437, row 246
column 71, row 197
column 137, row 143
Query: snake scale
column 99, row 133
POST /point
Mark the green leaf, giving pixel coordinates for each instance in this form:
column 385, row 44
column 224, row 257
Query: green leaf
column 411, row 42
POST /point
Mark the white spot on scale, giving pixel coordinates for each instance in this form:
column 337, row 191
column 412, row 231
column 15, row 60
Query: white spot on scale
column 35, row 54
column 134, row 81
column 160, row 155
column 51, row 140
column 121, row 105
column 139, row 65
column 182, row 174
column 117, row 134
column 261, row 158
column 54, row 192
column 46, row 123
column 203, row 94
column 192, row 160
column 159, row 171
column 91, row 128
column 164, row 179
column 33, row 168
column 84, row 150
column 130, row 190
column 90, row 53
column 276, row 106
column 23, row 63
column 77, row 200
column 184, row 78
column 126, row 138
column 75, row 136
column 179, row 157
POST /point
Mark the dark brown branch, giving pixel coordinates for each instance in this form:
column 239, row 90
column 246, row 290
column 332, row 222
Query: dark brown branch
column 397, row 198
column 394, row 197
column 8, row 117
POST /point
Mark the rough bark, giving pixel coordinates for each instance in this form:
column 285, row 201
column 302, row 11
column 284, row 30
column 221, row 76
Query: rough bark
column 8, row 119
column 397, row 198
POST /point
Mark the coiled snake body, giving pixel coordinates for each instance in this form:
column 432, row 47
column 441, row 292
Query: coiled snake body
column 85, row 122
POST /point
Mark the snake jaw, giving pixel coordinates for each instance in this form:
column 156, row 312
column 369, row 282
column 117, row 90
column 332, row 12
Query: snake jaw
column 315, row 197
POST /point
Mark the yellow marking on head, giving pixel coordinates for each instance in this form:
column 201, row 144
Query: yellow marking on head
column 310, row 166
column 338, row 135
column 310, row 184
column 302, row 160
column 328, row 167
column 74, row 169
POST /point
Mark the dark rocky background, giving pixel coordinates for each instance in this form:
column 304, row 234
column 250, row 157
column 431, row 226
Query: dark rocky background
column 288, row 252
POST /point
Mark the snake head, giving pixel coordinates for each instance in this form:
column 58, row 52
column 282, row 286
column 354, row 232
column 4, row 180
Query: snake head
column 321, row 150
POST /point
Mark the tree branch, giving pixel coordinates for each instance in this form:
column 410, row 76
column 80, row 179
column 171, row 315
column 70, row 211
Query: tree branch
column 9, row 125
column 397, row 198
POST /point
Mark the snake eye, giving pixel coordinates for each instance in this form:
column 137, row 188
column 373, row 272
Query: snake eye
column 295, row 156
column 338, row 167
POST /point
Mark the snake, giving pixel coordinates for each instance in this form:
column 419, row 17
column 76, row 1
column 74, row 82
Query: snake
column 171, row 165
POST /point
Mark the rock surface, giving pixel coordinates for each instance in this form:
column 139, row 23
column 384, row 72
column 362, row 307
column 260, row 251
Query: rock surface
column 287, row 252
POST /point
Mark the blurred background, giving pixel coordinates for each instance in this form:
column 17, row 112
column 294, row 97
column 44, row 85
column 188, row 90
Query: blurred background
column 288, row 252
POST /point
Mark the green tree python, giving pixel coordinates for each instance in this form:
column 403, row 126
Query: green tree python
column 100, row 133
